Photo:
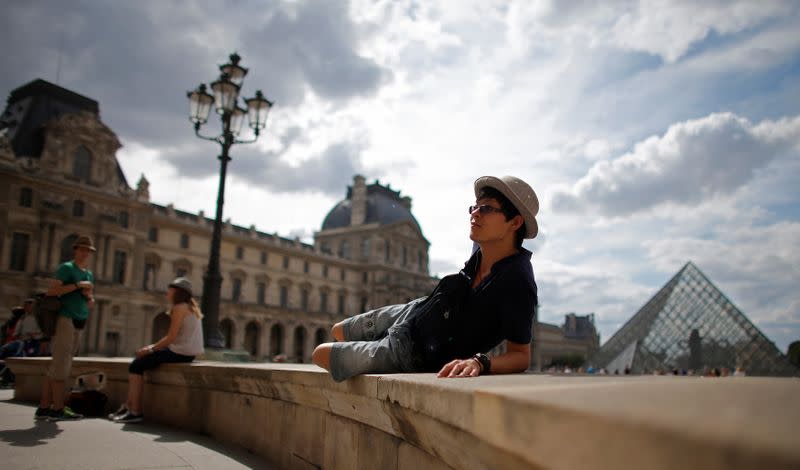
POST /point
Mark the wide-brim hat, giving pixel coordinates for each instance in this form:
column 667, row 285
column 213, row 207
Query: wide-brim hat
column 521, row 195
column 182, row 283
column 84, row 241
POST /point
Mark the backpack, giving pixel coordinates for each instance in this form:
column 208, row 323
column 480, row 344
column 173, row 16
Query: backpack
column 432, row 322
column 86, row 396
column 45, row 309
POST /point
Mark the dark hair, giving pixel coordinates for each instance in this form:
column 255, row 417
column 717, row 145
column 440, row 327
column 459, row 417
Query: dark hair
column 509, row 210
column 183, row 296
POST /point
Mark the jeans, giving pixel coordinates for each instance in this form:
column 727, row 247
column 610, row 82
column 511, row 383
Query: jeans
column 376, row 342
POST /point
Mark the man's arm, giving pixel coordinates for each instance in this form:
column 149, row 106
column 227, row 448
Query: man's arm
column 58, row 288
column 517, row 358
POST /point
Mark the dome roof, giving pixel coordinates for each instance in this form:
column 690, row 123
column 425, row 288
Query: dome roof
column 384, row 206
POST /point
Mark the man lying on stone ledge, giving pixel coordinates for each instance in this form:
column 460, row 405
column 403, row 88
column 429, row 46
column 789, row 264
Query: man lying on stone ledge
column 450, row 331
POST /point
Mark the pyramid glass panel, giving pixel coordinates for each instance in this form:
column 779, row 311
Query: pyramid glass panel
column 689, row 324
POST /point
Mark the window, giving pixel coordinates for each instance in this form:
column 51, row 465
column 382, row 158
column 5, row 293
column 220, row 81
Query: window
column 149, row 274
column 365, row 277
column 123, row 219
column 365, row 248
column 341, row 303
column 180, row 272
column 325, row 270
column 26, row 197
column 323, row 302
column 419, row 260
column 19, row 251
column 120, row 261
column 261, row 296
column 285, row 296
column 305, row 267
column 344, row 249
column 405, row 255
column 236, row 294
column 285, row 262
column 263, row 257
column 304, row 300
column 363, row 304
column 184, row 241
column 82, row 167
column 342, row 275
column 239, row 252
column 67, row 252
column 386, row 249
column 77, row 208
column 152, row 234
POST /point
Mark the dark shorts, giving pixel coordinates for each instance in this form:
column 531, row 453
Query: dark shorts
column 151, row 361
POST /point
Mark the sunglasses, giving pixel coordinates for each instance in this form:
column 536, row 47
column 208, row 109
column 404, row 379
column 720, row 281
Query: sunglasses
column 484, row 209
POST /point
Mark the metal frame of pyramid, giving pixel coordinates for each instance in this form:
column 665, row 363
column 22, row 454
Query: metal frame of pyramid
column 690, row 324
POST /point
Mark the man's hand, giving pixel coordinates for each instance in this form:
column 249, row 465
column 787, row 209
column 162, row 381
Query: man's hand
column 86, row 288
column 91, row 303
column 461, row 368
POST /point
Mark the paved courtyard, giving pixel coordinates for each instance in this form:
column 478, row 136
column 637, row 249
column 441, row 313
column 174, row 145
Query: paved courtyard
column 100, row 444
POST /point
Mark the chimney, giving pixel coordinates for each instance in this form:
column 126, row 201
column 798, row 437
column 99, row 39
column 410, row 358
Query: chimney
column 406, row 202
column 358, row 201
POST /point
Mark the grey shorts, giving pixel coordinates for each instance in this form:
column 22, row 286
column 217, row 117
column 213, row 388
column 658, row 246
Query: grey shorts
column 376, row 342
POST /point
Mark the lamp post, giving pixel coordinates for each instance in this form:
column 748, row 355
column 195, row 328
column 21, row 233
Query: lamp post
column 225, row 99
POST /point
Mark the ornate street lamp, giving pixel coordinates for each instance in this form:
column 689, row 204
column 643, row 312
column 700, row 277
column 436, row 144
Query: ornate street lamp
column 225, row 100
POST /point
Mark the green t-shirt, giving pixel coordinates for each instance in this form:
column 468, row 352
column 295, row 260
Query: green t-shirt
column 74, row 304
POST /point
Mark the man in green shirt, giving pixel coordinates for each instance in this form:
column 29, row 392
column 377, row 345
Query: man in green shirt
column 74, row 285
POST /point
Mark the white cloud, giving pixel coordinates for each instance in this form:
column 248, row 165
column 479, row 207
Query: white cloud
column 692, row 162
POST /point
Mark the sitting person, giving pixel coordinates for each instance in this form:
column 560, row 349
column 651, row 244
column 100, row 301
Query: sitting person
column 184, row 341
column 490, row 301
column 26, row 335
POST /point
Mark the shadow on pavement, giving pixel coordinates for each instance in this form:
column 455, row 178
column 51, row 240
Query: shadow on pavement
column 36, row 435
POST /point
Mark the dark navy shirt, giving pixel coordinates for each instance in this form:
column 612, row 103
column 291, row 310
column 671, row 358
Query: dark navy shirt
column 500, row 308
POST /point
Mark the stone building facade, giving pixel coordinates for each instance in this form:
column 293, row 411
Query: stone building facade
column 577, row 337
column 59, row 177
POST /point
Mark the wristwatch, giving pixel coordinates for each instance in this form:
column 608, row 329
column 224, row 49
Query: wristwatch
column 484, row 361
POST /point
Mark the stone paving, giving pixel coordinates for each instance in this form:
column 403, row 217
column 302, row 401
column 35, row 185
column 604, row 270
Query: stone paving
column 97, row 443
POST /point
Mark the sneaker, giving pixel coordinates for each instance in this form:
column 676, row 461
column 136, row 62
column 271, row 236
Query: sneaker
column 121, row 411
column 42, row 413
column 66, row 414
column 129, row 417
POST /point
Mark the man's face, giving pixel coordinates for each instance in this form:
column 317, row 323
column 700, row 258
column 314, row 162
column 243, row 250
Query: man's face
column 490, row 225
column 82, row 254
column 28, row 306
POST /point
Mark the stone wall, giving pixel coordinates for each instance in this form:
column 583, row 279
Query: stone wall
column 296, row 417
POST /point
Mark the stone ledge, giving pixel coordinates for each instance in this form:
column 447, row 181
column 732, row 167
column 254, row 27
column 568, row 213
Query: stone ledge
column 297, row 417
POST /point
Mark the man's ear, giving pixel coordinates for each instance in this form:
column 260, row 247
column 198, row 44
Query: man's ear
column 517, row 222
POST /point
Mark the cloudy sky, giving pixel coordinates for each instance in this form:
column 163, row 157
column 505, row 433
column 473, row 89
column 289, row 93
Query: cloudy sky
column 654, row 132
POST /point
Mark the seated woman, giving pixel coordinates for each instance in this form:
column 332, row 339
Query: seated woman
column 183, row 342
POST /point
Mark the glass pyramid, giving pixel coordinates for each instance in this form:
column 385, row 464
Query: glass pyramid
column 689, row 324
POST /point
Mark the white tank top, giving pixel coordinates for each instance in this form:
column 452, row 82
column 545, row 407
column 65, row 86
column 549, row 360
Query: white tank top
column 189, row 341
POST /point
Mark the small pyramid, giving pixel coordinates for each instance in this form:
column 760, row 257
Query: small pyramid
column 690, row 324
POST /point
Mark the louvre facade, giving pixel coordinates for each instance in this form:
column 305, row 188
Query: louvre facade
column 689, row 324
column 59, row 177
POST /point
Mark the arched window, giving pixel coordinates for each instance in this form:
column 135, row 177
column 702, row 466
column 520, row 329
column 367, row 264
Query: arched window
column 160, row 326
column 275, row 340
column 67, row 252
column 226, row 328
column 319, row 336
column 82, row 166
column 252, row 334
column 299, row 343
